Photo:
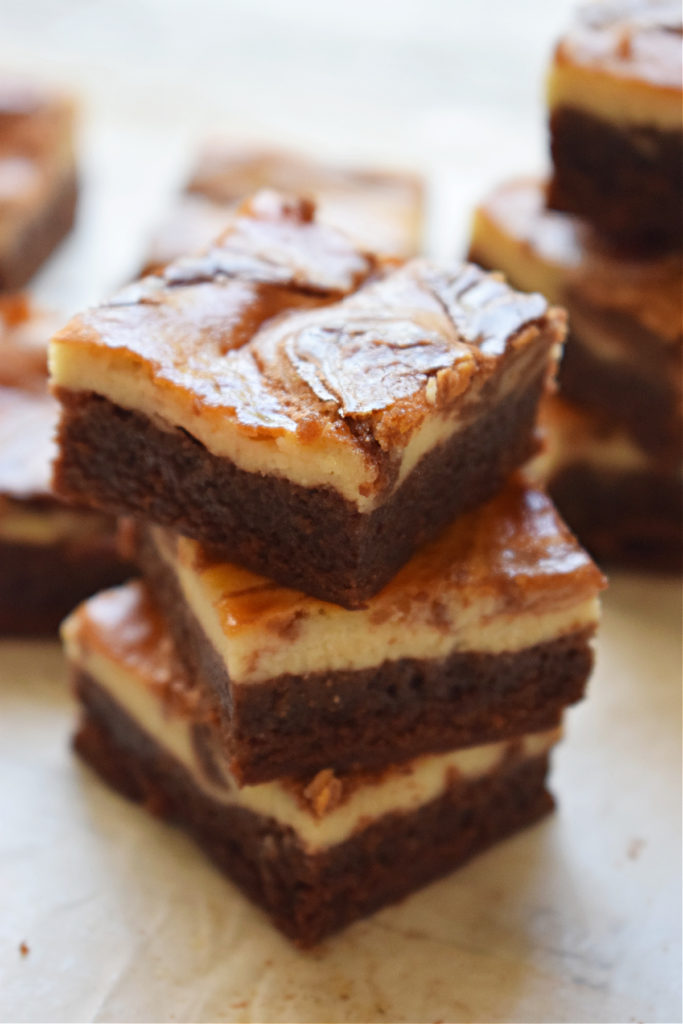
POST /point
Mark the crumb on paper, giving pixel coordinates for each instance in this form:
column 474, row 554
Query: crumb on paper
column 23, row 949
column 635, row 848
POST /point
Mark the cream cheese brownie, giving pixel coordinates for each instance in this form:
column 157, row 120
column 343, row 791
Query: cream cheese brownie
column 51, row 555
column 615, row 96
column 38, row 186
column 313, row 412
column 381, row 211
column 624, row 502
column 483, row 635
column 622, row 359
column 316, row 853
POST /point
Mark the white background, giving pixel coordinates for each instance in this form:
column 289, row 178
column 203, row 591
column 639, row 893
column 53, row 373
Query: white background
column 576, row 920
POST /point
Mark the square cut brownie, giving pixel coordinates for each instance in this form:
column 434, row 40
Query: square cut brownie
column 380, row 210
column 38, row 186
column 615, row 95
column 51, row 555
column 623, row 501
column 623, row 358
column 484, row 634
column 315, row 413
column 316, row 853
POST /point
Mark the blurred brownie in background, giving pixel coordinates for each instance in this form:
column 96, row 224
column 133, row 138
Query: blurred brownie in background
column 38, row 179
column 615, row 95
column 613, row 462
column 52, row 555
column 380, row 210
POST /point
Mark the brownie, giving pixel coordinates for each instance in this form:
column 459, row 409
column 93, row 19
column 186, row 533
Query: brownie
column 52, row 555
column 314, row 412
column 616, row 120
column 623, row 357
column 38, row 177
column 380, row 210
column 315, row 853
column 483, row 635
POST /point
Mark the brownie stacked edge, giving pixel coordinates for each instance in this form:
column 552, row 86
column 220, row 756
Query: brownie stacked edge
column 358, row 630
column 602, row 238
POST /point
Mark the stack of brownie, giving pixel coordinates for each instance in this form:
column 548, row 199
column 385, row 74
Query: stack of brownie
column 51, row 554
column 358, row 628
column 604, row 238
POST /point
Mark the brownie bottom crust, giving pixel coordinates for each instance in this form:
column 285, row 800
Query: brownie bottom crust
column 40, row 585
column 629, row 519
column 626, row 181
column 309, row 539
column 361, row 719
column 311, row 895
column 40, row 237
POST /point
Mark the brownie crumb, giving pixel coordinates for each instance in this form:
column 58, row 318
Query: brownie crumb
column 324, row 792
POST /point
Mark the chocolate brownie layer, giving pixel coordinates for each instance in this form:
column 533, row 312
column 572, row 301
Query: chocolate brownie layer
column 40, row 236
column 41, row 584
column 309, row 538
column 627, row 181
column 307, row 894
column 633, row 519
column 359, row 719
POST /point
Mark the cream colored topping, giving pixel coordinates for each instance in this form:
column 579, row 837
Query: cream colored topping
column 403, row 790
column 504, row 578
column 347, row 396
column 618, row 101
column 622, row 60
column 25, row 525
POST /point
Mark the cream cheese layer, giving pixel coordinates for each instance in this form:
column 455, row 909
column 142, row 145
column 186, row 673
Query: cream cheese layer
column 318, row 822
column 500, row 579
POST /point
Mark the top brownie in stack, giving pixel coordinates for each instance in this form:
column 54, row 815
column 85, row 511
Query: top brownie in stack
column 380, row 210
column 616, row 121
column 38, row 184
column 314, row 412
